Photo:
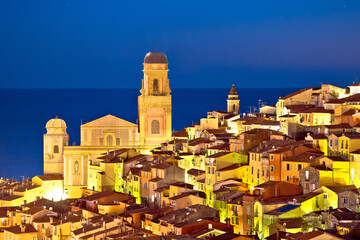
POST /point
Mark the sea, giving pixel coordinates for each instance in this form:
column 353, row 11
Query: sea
column 24, row 113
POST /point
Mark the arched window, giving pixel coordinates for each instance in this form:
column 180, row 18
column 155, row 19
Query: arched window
column 156, row 86
column 109, row 140
column 155, row 127
column 76, row 167
column 56, row 149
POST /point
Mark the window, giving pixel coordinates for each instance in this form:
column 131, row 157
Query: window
column 271, row 157
column 76, row 167
column 345, row 200
column 56, row 149
column 306, row 175
column 325, row 196
column 109, row 140
column 336, row 142
column 352, row 157
column 272, row 168
column 232, row 220
column 248, row 210
column 252, row 170
column 342, row 143
column 299, row 167
column 101, row 141
column 155, row 127
column 347, row 144
column 287, row 178
column 237, row 221
column 156, row 87
column 330, row 142
column 117, row 141
column 288, row 167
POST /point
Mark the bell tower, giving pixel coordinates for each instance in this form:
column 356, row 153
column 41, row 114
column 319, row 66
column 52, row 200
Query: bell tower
column 54, row 141
column 233, row 101
column 154, row 103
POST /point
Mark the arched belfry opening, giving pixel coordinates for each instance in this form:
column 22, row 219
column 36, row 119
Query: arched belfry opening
column 156, row 87
column 155, row 127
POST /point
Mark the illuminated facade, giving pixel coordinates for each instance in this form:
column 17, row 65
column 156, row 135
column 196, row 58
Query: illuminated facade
column 154, row 103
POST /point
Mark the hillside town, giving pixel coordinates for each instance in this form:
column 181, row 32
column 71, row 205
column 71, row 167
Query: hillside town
column 286, row 171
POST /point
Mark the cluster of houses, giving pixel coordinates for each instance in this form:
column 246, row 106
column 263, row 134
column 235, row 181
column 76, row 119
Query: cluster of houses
column 289, row 171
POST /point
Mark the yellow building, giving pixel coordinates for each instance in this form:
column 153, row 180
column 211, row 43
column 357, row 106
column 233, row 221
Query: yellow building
column 22, row 232
column 54, row 141
column 348, row 143
column 109, row 132
column 52, row 186
column 233, row 101
column 154, row 103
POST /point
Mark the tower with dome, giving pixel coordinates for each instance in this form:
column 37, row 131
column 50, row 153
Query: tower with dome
column 79, row 165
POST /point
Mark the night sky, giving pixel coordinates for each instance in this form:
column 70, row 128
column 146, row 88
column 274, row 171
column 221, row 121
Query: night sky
column 101, row 44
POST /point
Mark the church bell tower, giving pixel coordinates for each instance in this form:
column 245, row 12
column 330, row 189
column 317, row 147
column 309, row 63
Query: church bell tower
column 54, row 141
column 233, row 102
column 154, row 103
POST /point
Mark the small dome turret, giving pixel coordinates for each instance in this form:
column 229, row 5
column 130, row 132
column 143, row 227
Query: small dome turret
column 56, row 126
column 155, row 57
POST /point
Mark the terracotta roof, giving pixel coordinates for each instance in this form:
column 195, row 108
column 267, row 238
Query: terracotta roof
column 195, row 172
column 350, row 112
column 136, row 171
column 318, row 110
column 182, row 133
column 296, row 93
column 224, row 146
column 267, row 184
column 291, row 223
column 340, row 188
column 262, row 122
column 318, row 136
column 34, row 210
column 116, row 196
column 51, row 177
column 219, row 154
column 299, row 108
column 352, row 98
column 356, row 152
column 230, row 167
column 197, row 141
column 182, row 184
column 338, row 126
column 161, row 166
column 17, row 229
column 338, row 158
column 10, row 198
column 157, row 179
column 303, row 157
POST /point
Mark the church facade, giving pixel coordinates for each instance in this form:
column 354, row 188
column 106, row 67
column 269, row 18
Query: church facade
column 109, row 132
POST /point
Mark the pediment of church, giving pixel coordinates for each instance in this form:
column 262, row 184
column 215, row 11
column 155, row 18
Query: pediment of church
column 109, row 121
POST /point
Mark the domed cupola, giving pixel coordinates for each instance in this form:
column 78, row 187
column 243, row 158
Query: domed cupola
column 56, row 126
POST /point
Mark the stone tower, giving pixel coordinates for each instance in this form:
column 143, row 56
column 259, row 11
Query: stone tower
column 233, row 101
column 54, row 141
column 154, row 103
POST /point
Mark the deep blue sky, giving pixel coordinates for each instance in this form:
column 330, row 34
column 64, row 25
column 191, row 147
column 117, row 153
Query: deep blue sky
column 101, row 44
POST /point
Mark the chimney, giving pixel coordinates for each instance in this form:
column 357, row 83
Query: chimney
column 23, row 228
